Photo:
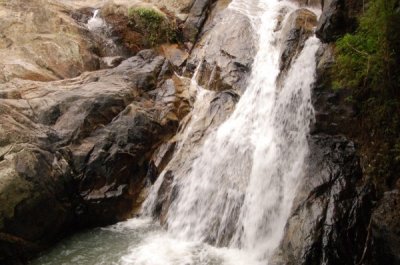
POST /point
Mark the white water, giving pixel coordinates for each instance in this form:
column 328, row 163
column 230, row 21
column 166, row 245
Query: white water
column 96, row 22
column 240, row 189
column 102, row 32
column 232, row 206
column 211, row 197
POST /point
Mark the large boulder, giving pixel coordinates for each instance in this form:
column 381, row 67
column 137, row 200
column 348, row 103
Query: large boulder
column 225, row 52
column 75, row 153
column 36, row 188
column 40, row 40
column 297, row 29
column 338, row 17
column 136, row 25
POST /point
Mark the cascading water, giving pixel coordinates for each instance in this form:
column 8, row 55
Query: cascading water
column 211, row 197
column 102, row 32
column 96, row 22
column 239, row 190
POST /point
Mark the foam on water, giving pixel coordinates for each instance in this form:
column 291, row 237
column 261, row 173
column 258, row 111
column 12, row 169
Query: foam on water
column 162, row 248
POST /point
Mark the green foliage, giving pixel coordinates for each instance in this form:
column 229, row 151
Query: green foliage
column 367, row 62
column 364, row 58
column 154, row 25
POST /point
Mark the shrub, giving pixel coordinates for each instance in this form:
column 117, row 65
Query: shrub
column 367, row 60
column 364, row 58
column 153, row 24
column 367, row 63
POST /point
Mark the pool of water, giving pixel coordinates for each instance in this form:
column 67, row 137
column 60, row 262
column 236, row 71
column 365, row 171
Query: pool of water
column 138, row 242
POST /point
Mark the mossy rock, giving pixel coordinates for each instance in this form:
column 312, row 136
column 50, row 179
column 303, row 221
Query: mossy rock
column 155, row 26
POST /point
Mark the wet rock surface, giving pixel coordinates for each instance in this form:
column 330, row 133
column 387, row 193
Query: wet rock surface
column 338, row 217
column 338, row 17
column 334, row 218
column 334, row 112
column 186, row 146
column 225, row 63
column 296, row 30
column 330, row 217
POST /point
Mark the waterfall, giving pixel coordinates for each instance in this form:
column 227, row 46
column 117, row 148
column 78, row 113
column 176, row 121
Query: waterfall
column 211, row 196
column 233, row 195
column 240, row 188
column 96, row 22
column 103, row 33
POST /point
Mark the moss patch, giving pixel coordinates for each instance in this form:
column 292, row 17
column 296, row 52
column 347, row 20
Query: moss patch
column 154, row 25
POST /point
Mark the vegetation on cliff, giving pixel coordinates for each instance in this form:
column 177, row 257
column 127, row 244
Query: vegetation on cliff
column 155, row 26
column 367, row 62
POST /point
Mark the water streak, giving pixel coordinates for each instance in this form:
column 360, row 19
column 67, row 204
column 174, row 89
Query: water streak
column 96, row 22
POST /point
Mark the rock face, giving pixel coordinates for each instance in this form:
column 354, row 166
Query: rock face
column 297, row 29
column 226, row 62
column 338, row 17
column 74, row 153
column 330, row 216
column 50, row 41
column 334, row 219
column 195, row 20
column 334, row 112
column 46, row 42
column 339, row 215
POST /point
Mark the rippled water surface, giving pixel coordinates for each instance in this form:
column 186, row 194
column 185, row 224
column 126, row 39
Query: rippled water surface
column 137, row 242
